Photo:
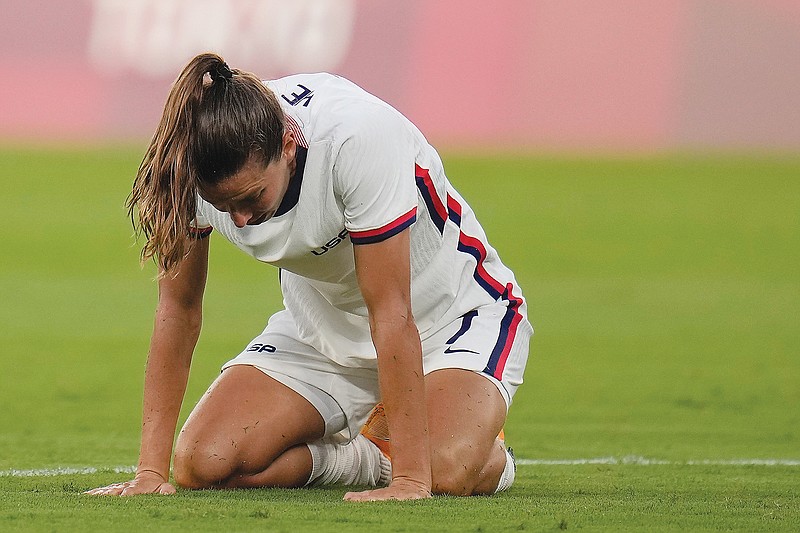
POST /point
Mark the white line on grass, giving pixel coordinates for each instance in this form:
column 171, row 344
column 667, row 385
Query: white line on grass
column 627, row 460
column 68, row 471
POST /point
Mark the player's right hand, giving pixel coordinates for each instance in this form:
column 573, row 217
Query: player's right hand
column 400, row 488
column 145, row 482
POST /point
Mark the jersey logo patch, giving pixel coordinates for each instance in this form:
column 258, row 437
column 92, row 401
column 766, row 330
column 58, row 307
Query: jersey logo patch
column 331, row 243
column 451, row 350
column 304, row 96
column 262, row 348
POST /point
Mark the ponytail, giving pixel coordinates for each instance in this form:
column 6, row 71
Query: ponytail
column 214, row 119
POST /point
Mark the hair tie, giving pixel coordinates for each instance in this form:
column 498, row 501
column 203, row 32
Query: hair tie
column 221, row 71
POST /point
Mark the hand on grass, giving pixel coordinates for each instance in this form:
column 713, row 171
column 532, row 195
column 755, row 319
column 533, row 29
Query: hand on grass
column 398, row 489
column 145, row 482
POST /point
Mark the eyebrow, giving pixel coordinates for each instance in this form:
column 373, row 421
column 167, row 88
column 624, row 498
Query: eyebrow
column 249, row 193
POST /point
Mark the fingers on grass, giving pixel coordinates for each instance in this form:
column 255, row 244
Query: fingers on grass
column 109, row 490
column 383, row 495
column 166, row 489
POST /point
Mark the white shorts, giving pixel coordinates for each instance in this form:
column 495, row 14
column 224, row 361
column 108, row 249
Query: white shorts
column 485, row 341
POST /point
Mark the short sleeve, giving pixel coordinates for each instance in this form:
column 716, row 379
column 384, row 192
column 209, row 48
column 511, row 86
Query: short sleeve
column 200, row 227
column 374, row 174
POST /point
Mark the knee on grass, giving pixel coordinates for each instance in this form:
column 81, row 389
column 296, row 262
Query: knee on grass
column 201, row 466
column 464, row 470
column 453, row 473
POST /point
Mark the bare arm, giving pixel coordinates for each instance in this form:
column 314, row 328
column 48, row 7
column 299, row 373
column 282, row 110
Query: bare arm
column 175, row 333
column 384, row 275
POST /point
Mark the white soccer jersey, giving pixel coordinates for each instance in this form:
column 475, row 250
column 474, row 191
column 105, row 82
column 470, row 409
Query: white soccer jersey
column 364, row 173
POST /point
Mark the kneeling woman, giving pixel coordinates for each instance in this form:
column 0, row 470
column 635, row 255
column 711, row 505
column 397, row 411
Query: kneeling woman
column 392, row 295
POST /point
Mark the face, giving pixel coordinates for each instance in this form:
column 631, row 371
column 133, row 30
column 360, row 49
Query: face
column 253, row 195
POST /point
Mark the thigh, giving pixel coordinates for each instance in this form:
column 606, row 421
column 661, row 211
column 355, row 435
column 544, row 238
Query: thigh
column 465, row 411
column 244, row 421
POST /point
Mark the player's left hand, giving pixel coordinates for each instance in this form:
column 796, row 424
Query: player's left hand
column 398, row 489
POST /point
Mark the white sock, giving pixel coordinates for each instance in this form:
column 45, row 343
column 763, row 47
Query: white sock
column 509, row 472
column 359, row 462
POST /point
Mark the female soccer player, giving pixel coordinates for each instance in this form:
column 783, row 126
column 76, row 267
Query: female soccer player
column 392, row 294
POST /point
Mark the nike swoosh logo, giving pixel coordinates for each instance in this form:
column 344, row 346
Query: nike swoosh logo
column 450, row 350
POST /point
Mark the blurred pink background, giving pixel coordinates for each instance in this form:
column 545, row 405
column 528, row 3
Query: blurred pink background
column 624, row 75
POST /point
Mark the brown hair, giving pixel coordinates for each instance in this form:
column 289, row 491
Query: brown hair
column 214, row 119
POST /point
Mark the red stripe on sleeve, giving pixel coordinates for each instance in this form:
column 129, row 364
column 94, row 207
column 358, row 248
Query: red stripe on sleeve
column 374, row 235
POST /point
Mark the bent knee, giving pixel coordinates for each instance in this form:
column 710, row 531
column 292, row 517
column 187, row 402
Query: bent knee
column 453, row 484
column 454, row 472
column 200, row 465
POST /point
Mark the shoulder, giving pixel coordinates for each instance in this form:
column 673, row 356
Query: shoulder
column 288, row 88
column 330, row 102
column 314, row 92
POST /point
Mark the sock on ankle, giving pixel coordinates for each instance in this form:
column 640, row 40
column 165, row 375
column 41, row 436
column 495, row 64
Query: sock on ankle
column 359, row 462
column 509, row 472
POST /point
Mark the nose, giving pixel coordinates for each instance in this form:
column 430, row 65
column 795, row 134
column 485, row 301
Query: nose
column 239, row 219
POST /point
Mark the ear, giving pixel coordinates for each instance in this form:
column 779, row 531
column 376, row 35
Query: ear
column 289, row 149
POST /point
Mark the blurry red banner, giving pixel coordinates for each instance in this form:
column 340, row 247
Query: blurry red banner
column 538, row 74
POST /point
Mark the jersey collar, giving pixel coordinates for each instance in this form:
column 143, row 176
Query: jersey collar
column 293, row 190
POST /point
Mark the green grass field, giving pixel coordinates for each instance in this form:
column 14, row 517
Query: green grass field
column 665, row 293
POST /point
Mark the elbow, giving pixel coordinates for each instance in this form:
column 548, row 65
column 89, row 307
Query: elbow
column 188, row 313
column 392, row 319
